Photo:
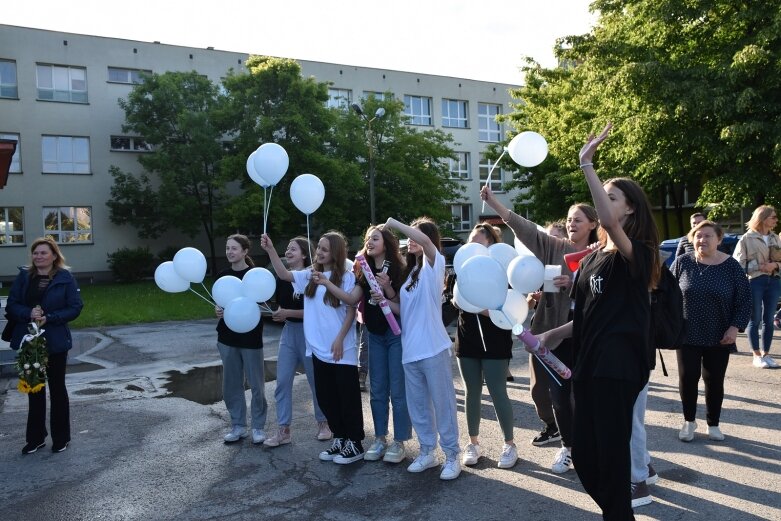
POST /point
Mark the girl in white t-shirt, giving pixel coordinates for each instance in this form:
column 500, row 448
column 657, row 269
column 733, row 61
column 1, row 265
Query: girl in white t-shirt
column 426, row 345
column 330, row 341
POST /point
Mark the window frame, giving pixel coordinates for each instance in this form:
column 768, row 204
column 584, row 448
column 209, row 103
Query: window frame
column 130, row 71
column 461, row 119
column 59, row 148
column 497, row 176
column 67, row 233
column 459, row 224
column 454, row 166
column 5, row 235
column 485, row 121
column 5, row 87
column 417, row 119
column 69, row 95
column 337, row 98
column 135, row 144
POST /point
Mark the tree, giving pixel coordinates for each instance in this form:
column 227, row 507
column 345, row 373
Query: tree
column 175, row 113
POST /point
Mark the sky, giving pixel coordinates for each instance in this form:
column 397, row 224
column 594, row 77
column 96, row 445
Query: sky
column 475, row 39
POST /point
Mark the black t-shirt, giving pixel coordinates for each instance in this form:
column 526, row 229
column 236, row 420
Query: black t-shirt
column 373, row 317
column 612, row 316
column 249, row 340
column 288, row 299
column 498, row 341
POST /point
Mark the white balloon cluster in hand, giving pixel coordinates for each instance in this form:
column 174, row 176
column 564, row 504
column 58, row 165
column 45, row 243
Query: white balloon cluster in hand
column 483, row 275
column 189, row 265
column 240, row 297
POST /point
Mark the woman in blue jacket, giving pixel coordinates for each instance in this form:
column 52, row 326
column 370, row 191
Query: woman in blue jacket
column 46, row 292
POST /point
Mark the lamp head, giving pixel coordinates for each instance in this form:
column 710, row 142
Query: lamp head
column 357, row 109
column 379, row 113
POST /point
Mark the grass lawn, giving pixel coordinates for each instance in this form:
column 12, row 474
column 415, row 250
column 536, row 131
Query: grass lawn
column 139, row 302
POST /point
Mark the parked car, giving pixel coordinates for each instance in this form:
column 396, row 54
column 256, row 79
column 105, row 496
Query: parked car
column 667, row 248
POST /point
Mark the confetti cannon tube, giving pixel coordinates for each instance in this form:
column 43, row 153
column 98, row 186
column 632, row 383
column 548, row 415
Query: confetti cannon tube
column 375, row 286
column 533, row 346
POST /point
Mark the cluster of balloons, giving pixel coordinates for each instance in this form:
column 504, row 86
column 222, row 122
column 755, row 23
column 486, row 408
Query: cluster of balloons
column 189, row 265
column 240, row 298
column 483, row 275
column 268, row 164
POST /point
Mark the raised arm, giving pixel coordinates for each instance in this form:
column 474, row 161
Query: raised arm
column 282, row 272
column 487, row 195
column 429, row 249
column 607, row 219
column 350, row 298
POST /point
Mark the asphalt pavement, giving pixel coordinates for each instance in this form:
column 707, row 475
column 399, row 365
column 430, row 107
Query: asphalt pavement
column 147, row 426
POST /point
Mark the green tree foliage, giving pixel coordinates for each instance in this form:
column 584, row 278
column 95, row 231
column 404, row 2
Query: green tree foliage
column 692, row 87
column 176, row 113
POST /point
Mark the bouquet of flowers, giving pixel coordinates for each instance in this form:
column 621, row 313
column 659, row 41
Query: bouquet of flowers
column 32, row 360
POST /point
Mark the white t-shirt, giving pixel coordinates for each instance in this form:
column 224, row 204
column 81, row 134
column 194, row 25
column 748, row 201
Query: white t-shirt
column 423, row 334
column 322, row 321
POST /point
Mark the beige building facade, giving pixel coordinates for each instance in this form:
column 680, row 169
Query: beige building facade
column 58, row 100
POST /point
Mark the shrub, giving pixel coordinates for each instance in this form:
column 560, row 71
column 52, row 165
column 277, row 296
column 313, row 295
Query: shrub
column 167, row 254
column 131, row 264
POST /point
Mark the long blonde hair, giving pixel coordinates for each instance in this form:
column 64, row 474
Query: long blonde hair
column 760, row 214
column 338, row 246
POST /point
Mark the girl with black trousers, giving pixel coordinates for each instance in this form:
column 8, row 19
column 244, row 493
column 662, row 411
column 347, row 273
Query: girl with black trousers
column 610, row 332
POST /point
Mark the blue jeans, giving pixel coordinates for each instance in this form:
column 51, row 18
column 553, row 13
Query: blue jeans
column 292, row 352
column 637, row 444
column 386, row 381
column 431, row 401
column 764, row 298
column 238, row 362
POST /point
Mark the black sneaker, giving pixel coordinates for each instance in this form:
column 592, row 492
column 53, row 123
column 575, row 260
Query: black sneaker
column 59, row 447
column 352, row 451
column 32, row 447
column 549, row 434
column 330, row 454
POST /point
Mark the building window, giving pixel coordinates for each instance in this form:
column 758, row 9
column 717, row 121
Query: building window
column 67, row 224
column 459, row 167
column 65, row 155
column 462, row 217
column 56, row 83
column 132, row 144
column 490, row 129
column 454, row 113
column 11, row 226
column 417, row 109
column 8, row 88
column 497, row 176
column 339, row 98
column 16, row 161
column 379, row 96
column 130, row 76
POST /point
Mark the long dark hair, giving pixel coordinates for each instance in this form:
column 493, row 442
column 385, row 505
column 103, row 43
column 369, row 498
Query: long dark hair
column 414, row 263
column 306, row 246
column 243, row 241
column 640, row 224
column 338, row 246
column 392, row 255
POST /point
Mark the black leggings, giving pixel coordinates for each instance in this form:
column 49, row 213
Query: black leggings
column 561, row 395
column 711, row 362
column 59, row 415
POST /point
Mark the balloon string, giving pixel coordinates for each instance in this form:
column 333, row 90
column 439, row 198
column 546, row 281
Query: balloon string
column 308, row 241
column 207, row 291
column 549, row 371
column 267, row 208
column 265, row 307
column 488, row 181
column 480, row 327
column 264, row 209
column 204, row 298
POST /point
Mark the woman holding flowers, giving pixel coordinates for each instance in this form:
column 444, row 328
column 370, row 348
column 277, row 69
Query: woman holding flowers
column 45, row 293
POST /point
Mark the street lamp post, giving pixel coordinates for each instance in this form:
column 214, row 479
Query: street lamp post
column 380, row 112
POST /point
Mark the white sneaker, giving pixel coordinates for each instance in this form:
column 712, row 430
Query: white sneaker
column 770, row 362
column 714, row 433
column 376, row 451
column 760, row 362
column 562, row 462
column 472, row 453
column 451, row 469
column 395, row 452
column 258, row 436
column 237, row 432
column 423, row 462
column 687, row 431
column 509, row 456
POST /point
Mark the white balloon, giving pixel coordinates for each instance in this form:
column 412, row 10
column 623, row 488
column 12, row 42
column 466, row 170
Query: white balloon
column 271, row 162
column 241, row 314
column 462, row 303
column 515, row 307
column 503, row 253
column 499, row 319
column 483, row 282
column 253, row 174
column 226, row 289
column 528, row 149
column 348, row 265
column 526, row 273
column 521, row 248
column 258, row 284
column 466, row 252
column 168, row 280
column 307, row 193
column 190, row 264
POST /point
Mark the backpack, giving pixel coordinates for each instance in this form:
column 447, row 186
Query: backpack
column 668, row 325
